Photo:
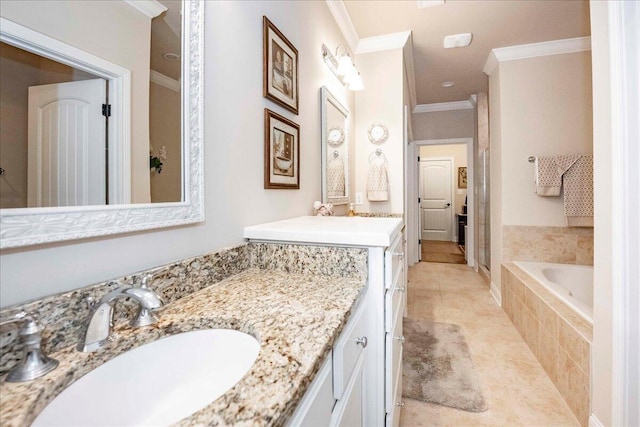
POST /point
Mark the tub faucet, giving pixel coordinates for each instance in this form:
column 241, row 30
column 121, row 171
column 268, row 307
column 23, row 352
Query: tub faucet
column 98, row 326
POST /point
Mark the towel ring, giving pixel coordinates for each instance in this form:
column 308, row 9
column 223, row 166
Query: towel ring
column 336, row 154
column 378, row 153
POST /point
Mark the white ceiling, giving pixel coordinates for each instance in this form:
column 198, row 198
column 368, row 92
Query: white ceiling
column 494, row 24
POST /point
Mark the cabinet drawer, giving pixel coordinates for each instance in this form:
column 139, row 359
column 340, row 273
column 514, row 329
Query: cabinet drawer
column 393, row 361
column 393, row 303
column 317, row 403
column 351, row 343
column 393, row 417
column 348, row 411
column 393, row 260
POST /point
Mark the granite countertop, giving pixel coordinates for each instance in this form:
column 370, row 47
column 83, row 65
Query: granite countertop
column 295, row 317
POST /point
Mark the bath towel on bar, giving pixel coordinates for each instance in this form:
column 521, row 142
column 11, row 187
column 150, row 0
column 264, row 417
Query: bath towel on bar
column 335, row 178
column 378, row 180
column 549, row 171
column 578, row 193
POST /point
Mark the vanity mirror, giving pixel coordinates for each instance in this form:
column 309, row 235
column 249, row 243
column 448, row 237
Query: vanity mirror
column 126, row 208
column 335, row 150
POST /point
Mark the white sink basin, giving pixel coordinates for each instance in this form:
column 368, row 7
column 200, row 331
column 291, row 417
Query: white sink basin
column 158, row 383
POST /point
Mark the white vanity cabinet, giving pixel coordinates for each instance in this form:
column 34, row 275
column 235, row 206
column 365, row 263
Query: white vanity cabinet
column 367, row 383
column 336, row 395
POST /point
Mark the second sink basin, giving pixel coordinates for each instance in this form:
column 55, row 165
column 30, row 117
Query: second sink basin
column 158, row 383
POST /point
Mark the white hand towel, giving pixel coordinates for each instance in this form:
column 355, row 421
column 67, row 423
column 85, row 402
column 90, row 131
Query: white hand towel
column 335, row 178
column 378, row 181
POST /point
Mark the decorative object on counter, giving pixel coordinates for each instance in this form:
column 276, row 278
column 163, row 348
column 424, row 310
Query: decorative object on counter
column 437, row 367
column 280, row 67
column 156, row 162
column 377, row 178
column 281, row 152
column 377, row 133
column 343, row 67
column 323, row 209
column 34, row 362
column 462, row 177
column 352, row 210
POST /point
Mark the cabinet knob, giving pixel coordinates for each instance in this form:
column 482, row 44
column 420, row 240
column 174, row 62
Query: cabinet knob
column 401, row 339
column 400, row 404
column 400, row 254
column 401, row 289
column 362, row 341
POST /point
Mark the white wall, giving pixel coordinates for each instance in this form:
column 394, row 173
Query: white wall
column 538, row 107
column 103, row 28
column 381, row 102
column 443, row 124
column 603, row 331
column 234, row 193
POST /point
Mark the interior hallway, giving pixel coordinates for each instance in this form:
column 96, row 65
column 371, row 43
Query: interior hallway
column 442, row 251
column 516, row 388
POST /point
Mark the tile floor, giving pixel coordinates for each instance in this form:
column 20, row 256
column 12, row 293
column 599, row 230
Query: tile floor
column 517, row 390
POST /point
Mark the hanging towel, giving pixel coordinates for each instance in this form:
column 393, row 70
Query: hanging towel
column 578, row 193
column 378, row 181
column 335, row 178
column 549, row 171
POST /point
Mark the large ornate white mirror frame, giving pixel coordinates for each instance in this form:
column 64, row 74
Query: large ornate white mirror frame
column 30, row 226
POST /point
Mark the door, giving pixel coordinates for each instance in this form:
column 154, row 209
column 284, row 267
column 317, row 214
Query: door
column 66, row 144
column 435, row 199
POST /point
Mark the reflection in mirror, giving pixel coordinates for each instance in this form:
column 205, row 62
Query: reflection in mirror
column 60, row 146
column 335, row 150
column 151, row 153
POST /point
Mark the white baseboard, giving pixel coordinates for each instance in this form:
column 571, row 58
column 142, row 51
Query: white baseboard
column 495, row 293
column 594, row 421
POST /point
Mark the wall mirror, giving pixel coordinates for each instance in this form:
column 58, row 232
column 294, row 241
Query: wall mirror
column 134, row 191
column 335, row 150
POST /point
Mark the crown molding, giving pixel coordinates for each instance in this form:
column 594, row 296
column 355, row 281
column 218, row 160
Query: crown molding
column 533, row 50
column 342, row 18
column 151, row 8
column 443, row 106
column 383, row 42
column 166, row 81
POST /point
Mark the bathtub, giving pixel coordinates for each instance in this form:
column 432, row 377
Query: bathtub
column 573, row 284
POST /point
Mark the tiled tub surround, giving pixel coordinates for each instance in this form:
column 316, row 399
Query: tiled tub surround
column 296, row 316
column 561, row 245
column 558, row 337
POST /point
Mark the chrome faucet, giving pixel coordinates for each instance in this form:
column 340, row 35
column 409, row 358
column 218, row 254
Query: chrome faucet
column 34, row 362
column 100, row 320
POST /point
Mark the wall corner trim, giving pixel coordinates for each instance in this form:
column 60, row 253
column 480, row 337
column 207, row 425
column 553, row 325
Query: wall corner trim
column 383, row 42
column 151, row 8
column 342, row 18
column 443, row 106
column 533, row 50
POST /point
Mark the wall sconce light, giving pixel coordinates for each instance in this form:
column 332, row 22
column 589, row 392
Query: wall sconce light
column 343, row 67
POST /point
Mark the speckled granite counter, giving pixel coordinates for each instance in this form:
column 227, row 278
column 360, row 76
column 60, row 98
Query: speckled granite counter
column 296, row 317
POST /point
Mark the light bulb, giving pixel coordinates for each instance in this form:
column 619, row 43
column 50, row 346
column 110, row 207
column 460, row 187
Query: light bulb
column 345, row 65
column 356, row 83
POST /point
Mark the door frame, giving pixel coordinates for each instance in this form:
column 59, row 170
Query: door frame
column 452, row 195
column 119, row 87
column 413, row 208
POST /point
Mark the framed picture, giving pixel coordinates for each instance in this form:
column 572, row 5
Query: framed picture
column 280, row 68
column 462, row 177
column 281, row 152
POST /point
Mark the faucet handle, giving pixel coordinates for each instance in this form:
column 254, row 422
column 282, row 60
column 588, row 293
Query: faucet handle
column 145, row 316
column 34, row 363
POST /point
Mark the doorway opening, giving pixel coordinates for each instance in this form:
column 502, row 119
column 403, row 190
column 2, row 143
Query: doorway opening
column 441, row 208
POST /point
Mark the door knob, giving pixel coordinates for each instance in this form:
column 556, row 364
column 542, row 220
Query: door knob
column 447, row 205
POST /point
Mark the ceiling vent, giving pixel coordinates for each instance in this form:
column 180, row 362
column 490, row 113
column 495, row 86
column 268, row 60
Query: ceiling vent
column 457, row 40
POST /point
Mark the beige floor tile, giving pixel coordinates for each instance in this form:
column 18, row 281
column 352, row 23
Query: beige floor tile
column 517, row 390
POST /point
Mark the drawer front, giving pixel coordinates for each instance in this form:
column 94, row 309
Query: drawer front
column 393, row 260
column 349, row 411
column 347, row 349
column 393, row 303
column 393, row 417
column 393, row 362
column 317, row 403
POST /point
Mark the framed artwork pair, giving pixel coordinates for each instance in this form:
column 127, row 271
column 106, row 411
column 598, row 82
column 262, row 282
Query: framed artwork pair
column 280, row 85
